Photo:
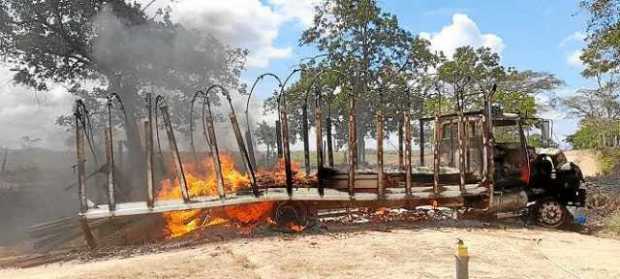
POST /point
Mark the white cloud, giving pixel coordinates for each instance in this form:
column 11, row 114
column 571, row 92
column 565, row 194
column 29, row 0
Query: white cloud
column 463, row 31
column 249, row 24
column 577, row 36
column 302, row 10
column 33, row 114
column 573, row 59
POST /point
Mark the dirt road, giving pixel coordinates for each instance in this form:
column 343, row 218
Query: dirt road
column 586, row 160
column 403, row 251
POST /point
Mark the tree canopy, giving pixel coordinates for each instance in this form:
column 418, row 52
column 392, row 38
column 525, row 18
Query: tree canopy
column 366, row 53
column 598, row 107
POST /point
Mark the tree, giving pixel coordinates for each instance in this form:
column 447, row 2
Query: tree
column 476, row 70
column 113, row 46
column 602, row 54
column 358, row 39
column 599, row 107
column 265, row 134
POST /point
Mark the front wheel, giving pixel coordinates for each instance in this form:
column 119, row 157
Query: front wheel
column 550, row 213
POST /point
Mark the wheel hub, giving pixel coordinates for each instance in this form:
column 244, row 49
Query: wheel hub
column 550, row 213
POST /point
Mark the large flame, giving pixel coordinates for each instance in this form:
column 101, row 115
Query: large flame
column 202, row 182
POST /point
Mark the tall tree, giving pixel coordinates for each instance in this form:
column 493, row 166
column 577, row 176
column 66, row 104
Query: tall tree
column 477, row 70
column 359, row 39
column 599, row 107
column 265, row 135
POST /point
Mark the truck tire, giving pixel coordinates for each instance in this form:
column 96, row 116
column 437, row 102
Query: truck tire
column 550, row 213
column 293, row 216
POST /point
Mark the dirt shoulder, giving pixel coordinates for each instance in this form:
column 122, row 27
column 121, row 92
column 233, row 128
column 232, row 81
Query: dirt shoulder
column 406, row 251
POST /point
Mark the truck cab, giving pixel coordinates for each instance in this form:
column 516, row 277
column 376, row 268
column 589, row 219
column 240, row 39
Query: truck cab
column 542, row 172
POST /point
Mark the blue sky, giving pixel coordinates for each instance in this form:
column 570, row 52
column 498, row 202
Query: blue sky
column 536, row 35
column 534, row 32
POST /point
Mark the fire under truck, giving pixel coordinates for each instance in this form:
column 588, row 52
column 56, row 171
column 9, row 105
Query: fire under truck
column 475, row 159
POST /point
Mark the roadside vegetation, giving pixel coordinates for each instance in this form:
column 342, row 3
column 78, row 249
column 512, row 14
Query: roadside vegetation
column 598, row 107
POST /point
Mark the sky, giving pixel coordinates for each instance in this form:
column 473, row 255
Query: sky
column 537, row 35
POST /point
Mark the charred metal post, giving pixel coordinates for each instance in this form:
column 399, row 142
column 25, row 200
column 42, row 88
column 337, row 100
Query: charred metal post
column 422, row 140
column 319, row 135
column 304, row 132
column 148, row 146
column 352, row 146
column 451, row 148
column 241, row 144
column 380, row 186
column 110, row 175
column 148, row 140
column 408, row 167
column 461, row 145
column 490, row 143
column 279, row 139
column 485, row 150
column 80, row 125
column 215, row 153
column 436, row 143
column 79, row 147
column 109, row 152
column 401, row 161
column 286, row 150
column 175, row 153
column 328, row 131
column 467, row 138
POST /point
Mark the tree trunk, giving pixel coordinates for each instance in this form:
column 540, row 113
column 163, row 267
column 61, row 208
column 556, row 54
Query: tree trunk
column 131, row 188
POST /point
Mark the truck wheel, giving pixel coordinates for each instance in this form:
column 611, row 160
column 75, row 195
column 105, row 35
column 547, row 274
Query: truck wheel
column 292, row 216
column 550, row 213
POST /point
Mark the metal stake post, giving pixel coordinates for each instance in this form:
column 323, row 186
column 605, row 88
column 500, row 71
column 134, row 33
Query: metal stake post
column 110, row 176
column 215, row 153
column 352, row 147
column 408, row 178
column 148, row 135
column 175, row 153
column 79, row 147
column 380, row 186
column 148, row 142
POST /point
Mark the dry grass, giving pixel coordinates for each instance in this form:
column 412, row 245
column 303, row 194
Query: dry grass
column 365, row 251
column 613, row 225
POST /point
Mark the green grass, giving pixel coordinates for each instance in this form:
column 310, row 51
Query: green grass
column 610, row 160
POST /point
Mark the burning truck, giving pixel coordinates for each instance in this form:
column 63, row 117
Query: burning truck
column 477, row 159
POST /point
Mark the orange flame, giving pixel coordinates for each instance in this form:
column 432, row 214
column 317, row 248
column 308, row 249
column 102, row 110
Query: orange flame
column 277, row 176
column 201, row 181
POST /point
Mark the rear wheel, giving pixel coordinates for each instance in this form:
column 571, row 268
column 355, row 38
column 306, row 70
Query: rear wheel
column 550, row 213
column 293, row 216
